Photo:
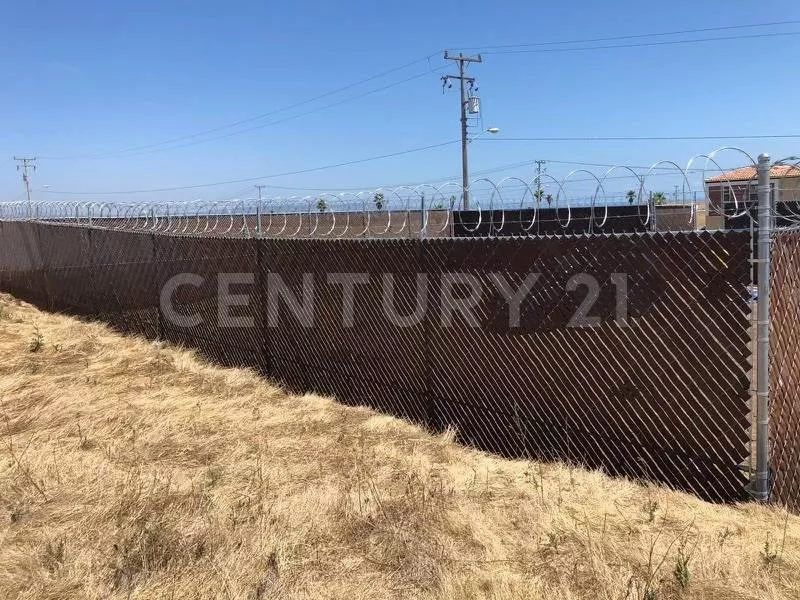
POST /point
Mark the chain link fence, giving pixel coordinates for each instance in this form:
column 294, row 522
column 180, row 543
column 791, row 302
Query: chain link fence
column 547, row 322
column 627, row 353
column 785, row 368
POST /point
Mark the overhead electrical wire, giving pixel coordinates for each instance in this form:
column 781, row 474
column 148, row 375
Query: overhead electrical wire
column 259, row 177
column 635, row 36
column 452, row 179
column 538, row 47
column 137, row 150
column 334, row 190
column 497, row 49
column 665, row 172
column 400, row 153
column 441, row 179
column 283, row 120
column 646, row 44
column 683, row 138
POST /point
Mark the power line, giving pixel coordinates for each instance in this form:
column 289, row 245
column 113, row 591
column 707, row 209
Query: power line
column 136, row 150
column 157, row 146
column 665, row 172
column 645, row 138
column 232, row 196
column 249, row 179
column 442, row 179
column 154, row 147
column 635, row 36
column 283, row 120
column 584, row 164
column 594, row 164
column 645, row 44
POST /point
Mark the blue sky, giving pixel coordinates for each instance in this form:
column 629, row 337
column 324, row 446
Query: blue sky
column 91, row 78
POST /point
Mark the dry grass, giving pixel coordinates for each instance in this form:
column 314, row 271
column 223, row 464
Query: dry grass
column 133, row 471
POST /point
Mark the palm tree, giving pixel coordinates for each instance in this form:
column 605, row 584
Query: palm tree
column 659, row 198
column 631, row 196
column 378, row 199
column 322, row 206
column 549, row 199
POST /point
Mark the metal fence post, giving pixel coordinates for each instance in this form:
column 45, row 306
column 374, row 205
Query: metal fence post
column 762, row 384
column 651, row 206
column 258, row 215
column 157, row 282
column 423, row 222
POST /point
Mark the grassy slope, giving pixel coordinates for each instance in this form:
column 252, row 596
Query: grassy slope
column 133, row 471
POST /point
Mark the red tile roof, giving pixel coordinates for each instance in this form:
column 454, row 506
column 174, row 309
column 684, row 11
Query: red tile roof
column 750, row 173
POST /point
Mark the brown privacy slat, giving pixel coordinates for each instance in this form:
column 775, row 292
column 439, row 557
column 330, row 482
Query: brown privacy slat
column 665, row 398
column 118, row 268
column 576, row 385
column 785, row 368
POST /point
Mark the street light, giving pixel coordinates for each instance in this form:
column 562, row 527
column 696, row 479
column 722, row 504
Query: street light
column 492, row 130
column 465, row 166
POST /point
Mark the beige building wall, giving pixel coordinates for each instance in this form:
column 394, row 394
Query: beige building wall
column 789, row 189
column 675, row 217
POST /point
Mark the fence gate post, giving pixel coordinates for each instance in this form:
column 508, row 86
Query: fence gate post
column 762, row 384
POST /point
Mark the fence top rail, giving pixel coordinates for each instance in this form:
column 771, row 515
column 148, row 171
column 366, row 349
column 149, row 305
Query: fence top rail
column 493, row 235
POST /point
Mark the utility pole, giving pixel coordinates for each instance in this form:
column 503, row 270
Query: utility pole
column 23, row 165
column 462, row 61
column 539, row 172
column 258, row 210
column 259, row 188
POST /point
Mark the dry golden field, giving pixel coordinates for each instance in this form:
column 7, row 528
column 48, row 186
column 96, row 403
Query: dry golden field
column 128, row 470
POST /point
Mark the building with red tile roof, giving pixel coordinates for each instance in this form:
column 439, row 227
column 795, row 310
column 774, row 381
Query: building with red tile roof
column 737, row 190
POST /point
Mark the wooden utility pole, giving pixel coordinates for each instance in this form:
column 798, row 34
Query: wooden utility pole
column 23, row 165
column 462, row 61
